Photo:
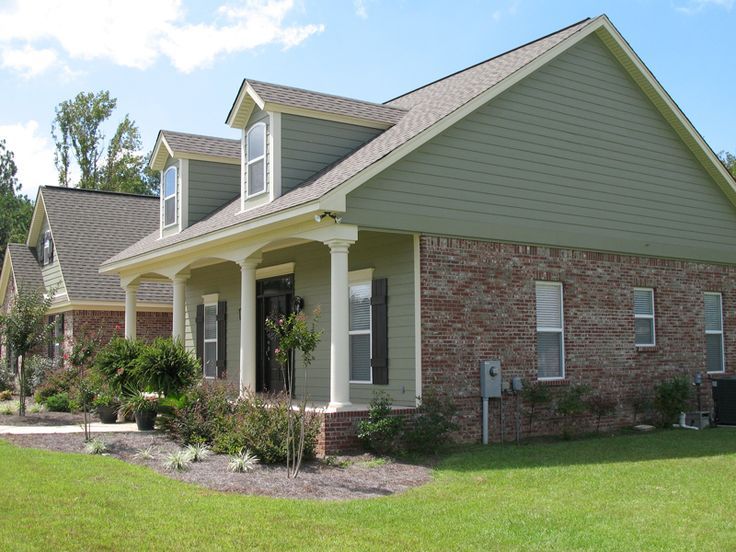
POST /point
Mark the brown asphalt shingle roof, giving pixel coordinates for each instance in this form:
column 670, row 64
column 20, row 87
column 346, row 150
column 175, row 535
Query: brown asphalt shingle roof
column 425, row 107
column 26, row 269
column 326, row 103
column 90, row 226
column 183, row 142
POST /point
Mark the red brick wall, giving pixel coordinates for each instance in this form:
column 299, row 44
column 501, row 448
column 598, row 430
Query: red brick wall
column 149, row 325
column 338, row 431
column 478, row 302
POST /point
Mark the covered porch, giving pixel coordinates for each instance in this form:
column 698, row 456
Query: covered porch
column 316, row 265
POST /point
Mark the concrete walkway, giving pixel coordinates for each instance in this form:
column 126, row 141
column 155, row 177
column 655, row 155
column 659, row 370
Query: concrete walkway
column 95, row 427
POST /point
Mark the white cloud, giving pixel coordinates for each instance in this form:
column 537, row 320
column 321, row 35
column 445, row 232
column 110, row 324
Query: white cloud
column 28, row 61
column 510, row 9
column 696, row 6
column 360, row 8
column 136, row 33
column 34, row 155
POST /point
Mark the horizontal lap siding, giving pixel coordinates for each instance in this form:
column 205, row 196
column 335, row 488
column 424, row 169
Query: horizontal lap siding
column 573, row 155
column 309, row 145
column 53, row 279
column 211, row 185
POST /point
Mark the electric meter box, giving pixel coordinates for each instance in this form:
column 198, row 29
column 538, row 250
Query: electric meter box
column 490, row 379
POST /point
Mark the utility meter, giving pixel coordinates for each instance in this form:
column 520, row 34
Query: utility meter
column 490, row 379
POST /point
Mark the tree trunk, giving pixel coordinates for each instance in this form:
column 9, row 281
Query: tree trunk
column 22, row 390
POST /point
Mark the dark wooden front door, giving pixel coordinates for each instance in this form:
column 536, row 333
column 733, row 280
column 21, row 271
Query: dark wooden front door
column 274, row 296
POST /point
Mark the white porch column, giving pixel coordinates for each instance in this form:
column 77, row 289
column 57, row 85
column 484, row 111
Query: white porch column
column 339, row 324
column 178, row 316
column 131, row 296
column 248, row 324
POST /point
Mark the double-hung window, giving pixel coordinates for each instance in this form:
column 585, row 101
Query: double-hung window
column 714, row 361
column 644, row 330
column 360, row 333
column 256, row 159
column 169, row 196
column 47, row 244
column 550, row 331
column 210, row 340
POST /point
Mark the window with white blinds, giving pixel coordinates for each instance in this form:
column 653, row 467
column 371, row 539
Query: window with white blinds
column 550, row 331
column 210, row 341
column 644, row 331
column 360, row 333
column 714, row 353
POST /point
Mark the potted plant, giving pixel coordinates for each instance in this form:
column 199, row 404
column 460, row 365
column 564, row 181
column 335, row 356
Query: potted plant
column 144, row 405
column 107, row 405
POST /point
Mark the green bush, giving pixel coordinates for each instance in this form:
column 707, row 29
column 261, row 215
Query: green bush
column 197, row 416
column 7, row 377
column 570, row 404
column 166, row 366
column 381, row 432
column 6, row 395
column 671, row 398
column 38, row 368
column 117, row 363
column 430, row 424
column 59, row 402
column 61, row 380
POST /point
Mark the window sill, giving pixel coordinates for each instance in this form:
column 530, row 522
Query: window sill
column 553, row 382
column 646, row 348
column 360, row 382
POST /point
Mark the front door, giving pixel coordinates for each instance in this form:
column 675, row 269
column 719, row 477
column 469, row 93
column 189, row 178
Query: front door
column 274, row 296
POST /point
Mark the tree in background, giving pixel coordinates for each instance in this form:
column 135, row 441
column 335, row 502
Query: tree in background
column 729, row 160
column 16, row 208
column 78, row 136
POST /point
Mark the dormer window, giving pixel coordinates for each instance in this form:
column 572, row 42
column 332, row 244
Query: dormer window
column 47, row 248
column 169, row 197
column 256, row 160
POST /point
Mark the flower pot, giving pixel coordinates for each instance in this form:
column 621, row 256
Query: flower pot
column 108, row 414
column 145, row 419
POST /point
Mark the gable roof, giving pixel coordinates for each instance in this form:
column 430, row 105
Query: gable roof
column 88, row 227
column 184, row 145
column 21, row 265
column 428, row 111
column 277, row 97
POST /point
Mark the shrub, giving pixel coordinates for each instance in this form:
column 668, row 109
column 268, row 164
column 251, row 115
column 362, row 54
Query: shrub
column 601, row 405
column 430, row 424
column 671, row 398
column 6, row 395
column 197, row 416
column 147, row 453
column 61, row 380
column 570, row 404
column 381, row 431
column 95, row 446
column 198, row 452
column 641, row 405
column 166, row 366
column 59, row 402
column 37, row 369
column 535, row 395
column 177, row 461
column 7, row 377
column 259, row 424
column 242, row 461
column 117, row 363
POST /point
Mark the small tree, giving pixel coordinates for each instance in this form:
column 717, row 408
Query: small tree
column 571, row 403
column 25, row 329
column 601, row 405
column 293, row 333
column 535, row 395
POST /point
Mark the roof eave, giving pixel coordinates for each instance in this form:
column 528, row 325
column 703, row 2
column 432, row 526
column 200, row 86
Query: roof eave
column 7, row 270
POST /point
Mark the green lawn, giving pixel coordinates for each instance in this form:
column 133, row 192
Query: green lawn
column 674, row 490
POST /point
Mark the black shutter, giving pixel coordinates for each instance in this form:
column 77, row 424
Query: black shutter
column 199, row 323
column 222, row 340
column 52, row 336
column 379, row 331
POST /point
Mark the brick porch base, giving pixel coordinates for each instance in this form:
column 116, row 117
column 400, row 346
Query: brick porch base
column 339, row 430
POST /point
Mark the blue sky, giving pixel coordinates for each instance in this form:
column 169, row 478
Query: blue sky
column 177, row 64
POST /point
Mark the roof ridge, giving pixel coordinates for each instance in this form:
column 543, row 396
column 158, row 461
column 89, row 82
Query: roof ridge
column 488, row 60
column 163, row 130
column 336, row 96
column 86, row 190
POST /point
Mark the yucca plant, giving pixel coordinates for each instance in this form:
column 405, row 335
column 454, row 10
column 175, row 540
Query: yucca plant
column 95, row 446
column 244, row 461
column 198, row 452
column 177, row 461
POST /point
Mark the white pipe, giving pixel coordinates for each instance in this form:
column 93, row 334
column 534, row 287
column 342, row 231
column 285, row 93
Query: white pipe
column 485, row 420
column 682, row 423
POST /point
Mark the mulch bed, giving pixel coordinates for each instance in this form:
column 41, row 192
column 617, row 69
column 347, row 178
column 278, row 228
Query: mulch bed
column 44, row 419
column 362, row 476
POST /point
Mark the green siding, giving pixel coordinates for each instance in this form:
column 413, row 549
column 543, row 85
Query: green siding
column 391, row 257
column 574, row 155
column 211, row 185
column 309, row 145
column 51, row 273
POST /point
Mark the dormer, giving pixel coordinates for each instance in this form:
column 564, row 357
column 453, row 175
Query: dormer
column 199, row 174
column 289, row 134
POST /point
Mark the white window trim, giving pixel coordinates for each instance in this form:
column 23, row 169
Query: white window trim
column 165, row 197
column 46, row 245
column 647, row 317
column 358, row 278
column 547, row 329
column 249, row 161
column 209, row 303
column 720, row 332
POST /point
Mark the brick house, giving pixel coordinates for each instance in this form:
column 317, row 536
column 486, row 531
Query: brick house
column 72, row 231
column 550, row 207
